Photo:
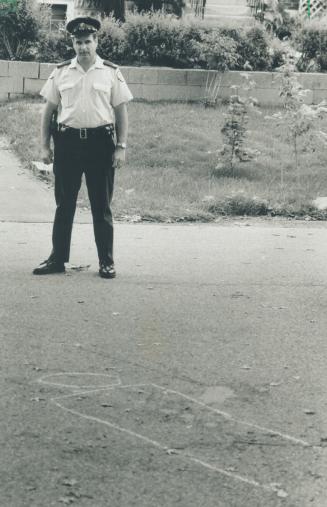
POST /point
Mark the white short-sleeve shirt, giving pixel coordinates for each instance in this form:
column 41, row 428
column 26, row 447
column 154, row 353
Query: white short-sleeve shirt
column 86, row 99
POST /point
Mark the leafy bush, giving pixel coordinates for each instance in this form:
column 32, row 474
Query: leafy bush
column 171, row 6
column 219, row 51
column 20, row 24
column 112, row 41
column 255, row 48
column 156, row 39
column 53, row 47
column 311, row 40
column 159, row 39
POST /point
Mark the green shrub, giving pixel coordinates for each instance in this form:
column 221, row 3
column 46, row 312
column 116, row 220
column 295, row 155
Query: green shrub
column 253, row 48
column 239, row 204
column 311, row 40
column 219, row 51
column 170, row 6
column 112, row 41
column 54, row 47
column 159, row 39
column 20, row 24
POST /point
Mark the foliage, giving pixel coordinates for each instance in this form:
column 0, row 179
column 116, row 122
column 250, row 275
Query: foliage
column 254, row 47
column 54, row 47
column 311, row 41
column 20, row 25
column 219, row 51
column 112, row 41
column 299, row 118
column 160, row 39
column 234, row 130
column 239, row 204
column 279, row 51
column 270, row 12
column 169, row 6
column 165, row 177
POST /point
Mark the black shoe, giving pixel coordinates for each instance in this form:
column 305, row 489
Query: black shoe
column 49, row 267
column 107, row 270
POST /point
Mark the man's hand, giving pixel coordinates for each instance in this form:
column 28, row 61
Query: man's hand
column 46, row 155
column 119, row 156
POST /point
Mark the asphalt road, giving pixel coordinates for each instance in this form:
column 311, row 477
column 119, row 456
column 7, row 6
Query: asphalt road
column 196, row 378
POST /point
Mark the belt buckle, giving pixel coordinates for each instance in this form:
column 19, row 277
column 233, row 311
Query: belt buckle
column 83, row 133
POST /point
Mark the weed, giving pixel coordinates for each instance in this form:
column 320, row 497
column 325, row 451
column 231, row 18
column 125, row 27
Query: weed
column 234, row 130
column 171, row 151
column 300, row 119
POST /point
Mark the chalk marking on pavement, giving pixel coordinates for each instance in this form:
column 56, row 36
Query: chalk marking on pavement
column 238, row 477
column 98, row 390
column 238, row 421
column 158, row 445
column 181, row 455
column 42, row 380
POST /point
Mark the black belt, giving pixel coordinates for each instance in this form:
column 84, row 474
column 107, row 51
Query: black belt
column 84, row 133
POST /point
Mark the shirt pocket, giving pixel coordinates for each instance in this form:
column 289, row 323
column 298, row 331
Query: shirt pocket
column 102, row 91
column 67, row 94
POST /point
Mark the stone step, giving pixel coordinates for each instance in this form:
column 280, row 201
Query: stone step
column 227, row 10
column 241, row 3
column 221, row 20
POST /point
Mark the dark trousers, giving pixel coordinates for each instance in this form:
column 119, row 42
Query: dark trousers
column 93, row 157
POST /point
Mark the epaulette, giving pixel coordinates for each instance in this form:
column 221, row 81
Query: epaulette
column 110, row 64
column 62, row 64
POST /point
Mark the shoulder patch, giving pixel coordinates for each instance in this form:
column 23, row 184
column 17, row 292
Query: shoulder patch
column 62, row 64
column 120, row 76
column 110, row 64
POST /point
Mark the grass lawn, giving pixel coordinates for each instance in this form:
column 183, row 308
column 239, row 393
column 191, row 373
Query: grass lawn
column 171, row 155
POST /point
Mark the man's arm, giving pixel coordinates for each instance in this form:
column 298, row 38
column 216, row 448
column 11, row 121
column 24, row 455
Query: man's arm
column 121, row 131
column 49, row 109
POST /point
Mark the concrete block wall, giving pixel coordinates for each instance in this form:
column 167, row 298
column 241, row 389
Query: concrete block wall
column 160, row 83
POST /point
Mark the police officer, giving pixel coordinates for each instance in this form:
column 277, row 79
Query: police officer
column 89, row 96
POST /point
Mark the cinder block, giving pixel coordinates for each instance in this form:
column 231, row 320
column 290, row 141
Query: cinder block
column 24, row 69
column 231, row 79
column 135, row 75
column 171, row 76
column 13, row 96
column 166, row 92
column 151, row 92
column 197, row 77
column 46, row 69
column 264, row 80
column 17, row 84
column 125, row 73
column 261, row 79
column 318, row 96
column 33, row 86
column 267, row 97
column 194, row 93
column 4, row 68
column 313, row 81
column 6, row 84
column 309, row 97
column 139, row 75
column 137, row 90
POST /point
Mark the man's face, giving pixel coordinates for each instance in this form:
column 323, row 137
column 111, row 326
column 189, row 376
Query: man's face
column 85, row 46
